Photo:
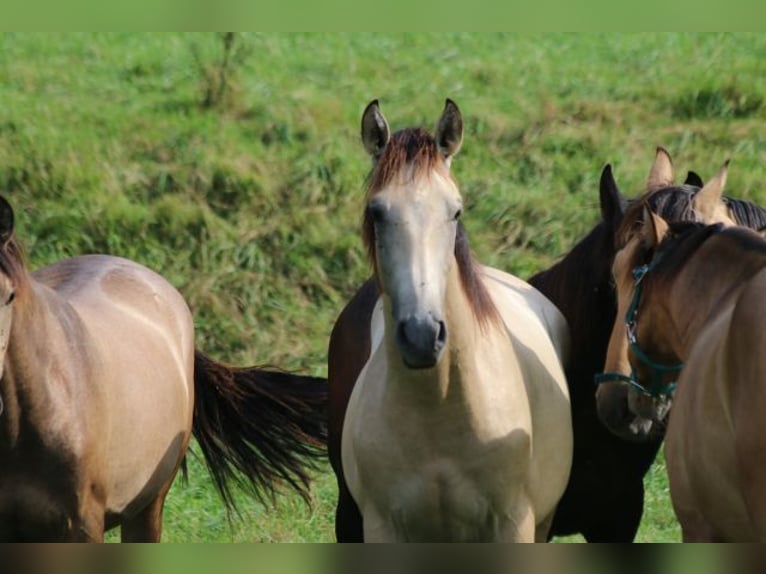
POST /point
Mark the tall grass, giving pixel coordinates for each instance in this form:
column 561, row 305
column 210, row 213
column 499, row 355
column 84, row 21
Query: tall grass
column 237, row 172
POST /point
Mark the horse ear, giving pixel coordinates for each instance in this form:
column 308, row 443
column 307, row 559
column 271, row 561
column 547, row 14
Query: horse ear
column 375, row 131
column 708, row 199
column 613, row 204
column 449, row 131
column 693, row 178
column 661, row 174
column 654, row 228
column 6, row 220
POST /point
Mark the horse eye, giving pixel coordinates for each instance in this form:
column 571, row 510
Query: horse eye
column 376, row 211
column 458, row 213
column 11, row 297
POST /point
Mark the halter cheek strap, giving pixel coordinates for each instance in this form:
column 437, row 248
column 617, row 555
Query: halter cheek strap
column 657, row 388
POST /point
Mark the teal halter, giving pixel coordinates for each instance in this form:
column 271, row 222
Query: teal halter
column 657, row 388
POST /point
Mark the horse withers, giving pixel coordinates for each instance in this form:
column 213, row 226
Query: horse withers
column 102, row 389
column 458, row 427
column 690, row 299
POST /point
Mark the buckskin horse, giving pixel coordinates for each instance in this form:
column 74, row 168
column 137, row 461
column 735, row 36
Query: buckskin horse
column 604, row 497
column 691, row 325
column 458, row 426
column 102, row 389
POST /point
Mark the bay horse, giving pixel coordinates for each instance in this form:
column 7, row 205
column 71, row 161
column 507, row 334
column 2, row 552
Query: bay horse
column 458, row 426
column 102, row 389
column 604, row 498
column 691, row 297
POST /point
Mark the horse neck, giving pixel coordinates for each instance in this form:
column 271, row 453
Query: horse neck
column 586, row 299
column 26, row 383
column 448, row 383
column 706, row 286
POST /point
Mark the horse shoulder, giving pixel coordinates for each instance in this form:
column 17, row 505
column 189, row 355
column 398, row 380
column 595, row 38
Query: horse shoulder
column 518, row 300
column 540, row 331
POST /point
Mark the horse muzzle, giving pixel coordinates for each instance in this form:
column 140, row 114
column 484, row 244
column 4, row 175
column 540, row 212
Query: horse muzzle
column 614, row 410
column 421, row 339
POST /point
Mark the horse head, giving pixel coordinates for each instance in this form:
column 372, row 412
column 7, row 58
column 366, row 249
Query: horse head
column 411, row 226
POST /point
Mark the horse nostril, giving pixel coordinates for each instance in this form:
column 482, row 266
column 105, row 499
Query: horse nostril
column 441, row 337
column 421, row 338
column 401, row 333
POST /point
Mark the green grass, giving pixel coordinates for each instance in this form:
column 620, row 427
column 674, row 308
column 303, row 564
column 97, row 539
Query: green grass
column 251, row 207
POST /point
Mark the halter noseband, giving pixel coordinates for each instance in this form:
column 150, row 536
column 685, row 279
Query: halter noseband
column 657, row 387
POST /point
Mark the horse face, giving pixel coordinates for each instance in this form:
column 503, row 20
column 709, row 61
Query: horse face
column 415, row 223
column 411, row 221
column 628, row 413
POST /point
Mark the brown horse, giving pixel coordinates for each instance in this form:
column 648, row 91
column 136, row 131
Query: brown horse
column 102, row 389
column 692, row 295
column 604, row 498
column 458, row 426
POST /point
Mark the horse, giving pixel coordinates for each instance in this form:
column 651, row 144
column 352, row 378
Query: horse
column 458, row 426
column 604, row 498
column 102, row 389
column 690, row 299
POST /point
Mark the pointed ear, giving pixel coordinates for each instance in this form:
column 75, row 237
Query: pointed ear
column 693, row 178
column 661, row 174
column 449, row 131
column 653, row 229
column 708, row 199
column 375, row 131
column 6, row 221
column 613, row 204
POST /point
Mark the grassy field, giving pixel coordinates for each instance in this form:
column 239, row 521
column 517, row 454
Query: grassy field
column 238, row 174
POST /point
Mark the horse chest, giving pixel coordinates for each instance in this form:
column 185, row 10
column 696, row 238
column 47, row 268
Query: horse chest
column 458, row 487
column 36, row 506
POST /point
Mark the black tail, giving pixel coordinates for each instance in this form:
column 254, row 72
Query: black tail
column 258, row 427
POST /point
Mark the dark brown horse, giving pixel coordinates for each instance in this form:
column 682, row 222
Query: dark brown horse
column 102, row 389
column 604, row 498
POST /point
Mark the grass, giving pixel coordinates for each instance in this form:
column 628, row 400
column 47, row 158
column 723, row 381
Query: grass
column 248, row 199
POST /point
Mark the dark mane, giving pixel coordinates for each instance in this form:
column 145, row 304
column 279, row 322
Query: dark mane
column 580, row 285
column 683, row 239
column 747, row 213
column 674, row 203
column 415, row 150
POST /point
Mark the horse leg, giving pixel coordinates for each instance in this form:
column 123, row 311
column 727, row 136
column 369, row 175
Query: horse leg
column 619, row 520
column 348, row 519
column 146, row 526
column 543, row 528
column 89, row 527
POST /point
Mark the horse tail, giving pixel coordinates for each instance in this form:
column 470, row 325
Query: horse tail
column 258, row 427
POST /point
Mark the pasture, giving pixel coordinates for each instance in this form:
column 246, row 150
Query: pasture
column 237, row 173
